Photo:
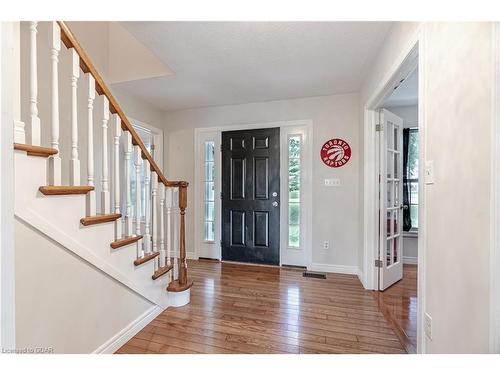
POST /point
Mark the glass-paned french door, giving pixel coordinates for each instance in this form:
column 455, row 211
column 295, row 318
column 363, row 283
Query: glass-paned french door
column 391, row 193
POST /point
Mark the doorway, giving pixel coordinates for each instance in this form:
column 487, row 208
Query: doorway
column 393, row 199
column 294, row 193
column 250, row 196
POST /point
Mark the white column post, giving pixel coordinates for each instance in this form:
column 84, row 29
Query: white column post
column 175, row 226
column 35, row 120
column 161, row 191
column 91, row 202
column 118, row 132
column 138, row 163
column 74, row 164
column 19, row 127
column 54, row 160
column 128, row 178
column 105, row 200
column 168, row 203
column 147, row 207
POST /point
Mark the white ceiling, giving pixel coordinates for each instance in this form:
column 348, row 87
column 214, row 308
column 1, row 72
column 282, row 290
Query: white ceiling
column 219, row 63
column 406, row 93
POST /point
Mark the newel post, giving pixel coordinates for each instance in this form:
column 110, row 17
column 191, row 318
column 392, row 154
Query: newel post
column 182, row 246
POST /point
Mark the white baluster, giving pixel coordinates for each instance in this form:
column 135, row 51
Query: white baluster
column 74, row 164
column 19, row 127
column 118, row 132
column 105, row 200
column 154, row 202
column 35, row 120
column 55, row 160
column 147, row 207
column 176, row 226
column 128, row 178
column 91, row 202
column 138, row 163
column 161, row 192
column 168, row 204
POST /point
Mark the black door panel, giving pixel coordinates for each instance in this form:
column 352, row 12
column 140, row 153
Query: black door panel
column 250, row 186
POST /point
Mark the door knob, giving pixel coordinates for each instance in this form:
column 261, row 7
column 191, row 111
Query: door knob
column 275, row 204
column 275, row 194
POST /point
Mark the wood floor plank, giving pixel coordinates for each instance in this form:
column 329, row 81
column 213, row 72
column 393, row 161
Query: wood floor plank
column 238, row 308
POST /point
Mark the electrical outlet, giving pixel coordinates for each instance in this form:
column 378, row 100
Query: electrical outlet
column 326, row 245
column 428, row 326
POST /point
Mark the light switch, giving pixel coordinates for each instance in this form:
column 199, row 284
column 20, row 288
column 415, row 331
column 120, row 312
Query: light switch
column 331, row 182
column 429, row 172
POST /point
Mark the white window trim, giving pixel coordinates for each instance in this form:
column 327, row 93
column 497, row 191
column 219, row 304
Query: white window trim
column 215, row 133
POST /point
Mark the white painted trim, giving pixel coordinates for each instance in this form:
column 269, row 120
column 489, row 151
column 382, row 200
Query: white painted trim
column 410, row 260
column 308, row 124
column 306, row 183
column 335, row 268
column 9, row 43
column 413, row 50
column 125, row 334
column 200, row 137
column 34, row 220
column 494, row 341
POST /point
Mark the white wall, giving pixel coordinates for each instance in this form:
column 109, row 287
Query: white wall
column 457, row 73
column 64, row 302
column 335, row 210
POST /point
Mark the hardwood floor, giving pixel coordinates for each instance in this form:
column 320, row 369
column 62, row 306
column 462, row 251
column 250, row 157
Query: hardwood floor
column 399, row 305
column 253, row 309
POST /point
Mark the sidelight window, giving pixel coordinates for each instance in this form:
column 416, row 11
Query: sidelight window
column 294, row 205
column 209, row 169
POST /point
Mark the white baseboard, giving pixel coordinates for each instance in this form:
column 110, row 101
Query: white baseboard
column 191, row 255
column 410, row 260
column 118, row 340
column 334, row 268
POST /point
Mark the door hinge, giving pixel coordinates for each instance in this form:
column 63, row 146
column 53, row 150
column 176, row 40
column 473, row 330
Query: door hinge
column 378, row 127
column 221, row 195
column 221, row 147
column 378, row 263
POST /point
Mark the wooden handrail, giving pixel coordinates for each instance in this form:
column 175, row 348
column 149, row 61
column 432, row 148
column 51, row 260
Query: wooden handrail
column 86, row 65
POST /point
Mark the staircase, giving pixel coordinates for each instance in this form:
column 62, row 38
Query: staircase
column 94, row 216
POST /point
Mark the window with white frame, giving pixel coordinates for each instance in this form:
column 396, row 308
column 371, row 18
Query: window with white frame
column 209, row 198
column 294, row 204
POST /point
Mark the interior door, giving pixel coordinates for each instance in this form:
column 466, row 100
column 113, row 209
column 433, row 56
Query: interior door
column 391, row 199
column 250, row 196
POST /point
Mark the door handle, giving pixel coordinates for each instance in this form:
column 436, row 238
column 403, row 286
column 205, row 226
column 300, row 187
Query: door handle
column 275, row 204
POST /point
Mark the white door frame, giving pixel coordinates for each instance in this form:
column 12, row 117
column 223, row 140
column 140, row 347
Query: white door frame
column 495, row 199
column 198, row 191
column 9, row 79
column 412, row 53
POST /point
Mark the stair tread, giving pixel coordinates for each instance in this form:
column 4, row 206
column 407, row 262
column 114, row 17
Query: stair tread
column 35, row 150
column 174, row 286
column 125, row 241
column 145, row 258
column 161, row 271
column 65, row 190
column 97, row 219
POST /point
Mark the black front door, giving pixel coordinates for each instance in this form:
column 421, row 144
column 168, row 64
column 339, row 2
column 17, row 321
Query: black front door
column 250, row 196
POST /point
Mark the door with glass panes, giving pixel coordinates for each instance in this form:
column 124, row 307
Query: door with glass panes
column 390, row 260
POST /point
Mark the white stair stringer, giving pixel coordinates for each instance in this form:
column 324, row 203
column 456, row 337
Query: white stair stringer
column 58, row 217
